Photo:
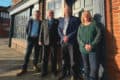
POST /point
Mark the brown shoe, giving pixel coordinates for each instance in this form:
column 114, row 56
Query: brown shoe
column 22, row 73
column 36, row 68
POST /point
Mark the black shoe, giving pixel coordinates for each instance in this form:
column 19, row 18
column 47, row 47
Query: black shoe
column 43, row 74
column 22, row 73
column 36, row 68
column 76, row 78
column 55, row 73
column 62, row 77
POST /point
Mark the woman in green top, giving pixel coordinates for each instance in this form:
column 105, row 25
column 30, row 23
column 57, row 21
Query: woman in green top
column 88, row 37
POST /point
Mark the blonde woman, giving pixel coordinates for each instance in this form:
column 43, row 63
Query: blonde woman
column 88, row 37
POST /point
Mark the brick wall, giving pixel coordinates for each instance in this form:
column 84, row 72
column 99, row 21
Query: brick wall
column 113, row 38
column 3, row 33
column 116, row 34
column 4, row 22
column 19, row 45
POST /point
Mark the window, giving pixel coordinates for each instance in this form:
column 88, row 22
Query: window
column 82, row 4
column 77, row 4
column 77, row 8
column 20, row 23
column 55, row 5
column 50, row 6
column 89, row 5
column 58, row 8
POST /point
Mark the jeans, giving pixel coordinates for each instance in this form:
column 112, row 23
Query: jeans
column 32, row 43
column 90, row 66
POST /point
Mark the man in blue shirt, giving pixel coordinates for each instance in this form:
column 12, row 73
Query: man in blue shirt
column 32, row 30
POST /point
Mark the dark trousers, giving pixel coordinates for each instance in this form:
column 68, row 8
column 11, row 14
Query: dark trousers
column 49, row 49
column 90, row 66
column 70, row 63
column 32, row 43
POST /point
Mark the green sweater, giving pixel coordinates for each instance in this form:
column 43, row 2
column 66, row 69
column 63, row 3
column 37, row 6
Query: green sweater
column 89, row 34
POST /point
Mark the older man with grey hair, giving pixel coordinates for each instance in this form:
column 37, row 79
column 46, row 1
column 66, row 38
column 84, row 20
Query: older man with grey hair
column 32, row 31
column 48, row 38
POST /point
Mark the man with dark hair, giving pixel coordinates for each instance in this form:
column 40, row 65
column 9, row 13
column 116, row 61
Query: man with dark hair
column 49, row 38
column 67, row 30
column 32, row 30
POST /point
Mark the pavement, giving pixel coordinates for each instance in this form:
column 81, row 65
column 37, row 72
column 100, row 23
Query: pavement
column 11, row 62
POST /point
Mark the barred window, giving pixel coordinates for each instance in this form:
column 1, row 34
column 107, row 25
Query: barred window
column 20, row 23
column 55, row 5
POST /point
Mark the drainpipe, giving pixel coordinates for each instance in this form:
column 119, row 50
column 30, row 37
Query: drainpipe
column 43, row 8
column 111, row 21
column 111, row 17
column 11, row 32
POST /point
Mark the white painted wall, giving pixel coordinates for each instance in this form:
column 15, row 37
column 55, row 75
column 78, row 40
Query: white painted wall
column 25, row 5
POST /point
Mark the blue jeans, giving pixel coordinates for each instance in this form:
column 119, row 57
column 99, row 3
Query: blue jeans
column 90, row 66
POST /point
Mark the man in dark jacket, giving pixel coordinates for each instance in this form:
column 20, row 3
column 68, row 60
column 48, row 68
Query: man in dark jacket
column 67, row 31
column 32, row 30
column 49, row 38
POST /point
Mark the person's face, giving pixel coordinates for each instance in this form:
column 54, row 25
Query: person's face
column 67, row 12
column 50, row 14
column 37, row 15
column 86, row 17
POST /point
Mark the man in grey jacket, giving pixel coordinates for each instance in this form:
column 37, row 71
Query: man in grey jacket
column 48, row 38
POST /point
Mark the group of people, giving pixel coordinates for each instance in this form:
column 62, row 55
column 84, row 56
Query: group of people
column 75, row 36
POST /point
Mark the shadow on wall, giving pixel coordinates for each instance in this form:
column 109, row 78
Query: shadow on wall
column 101, row 49
column 107, row 51
column 111, row 57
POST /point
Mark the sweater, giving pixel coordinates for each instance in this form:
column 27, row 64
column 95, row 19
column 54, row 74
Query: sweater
column 88, row 34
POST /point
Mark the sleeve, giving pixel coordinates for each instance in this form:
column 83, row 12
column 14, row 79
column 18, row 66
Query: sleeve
column 79, row 37
column 97, row 37
column 76, row 25
column 27, row 27
column 41, row 32
column 60, row 32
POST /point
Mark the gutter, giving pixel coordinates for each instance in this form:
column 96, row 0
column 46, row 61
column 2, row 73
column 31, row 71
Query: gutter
column 22, row 6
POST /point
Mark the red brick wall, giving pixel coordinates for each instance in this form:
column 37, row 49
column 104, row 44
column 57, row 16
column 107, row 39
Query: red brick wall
column 116, row 34
column 19, row 45
column 113, row 38
column 3, row 33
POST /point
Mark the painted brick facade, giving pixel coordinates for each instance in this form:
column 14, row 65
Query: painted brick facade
column 20, row 44
column 113, row 38
column 4, row 22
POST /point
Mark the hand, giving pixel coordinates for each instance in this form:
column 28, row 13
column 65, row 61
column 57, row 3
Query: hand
column 65, row 39
column 40, row 43
column 88, row 47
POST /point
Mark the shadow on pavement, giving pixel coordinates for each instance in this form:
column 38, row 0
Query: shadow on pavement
column 10, row 68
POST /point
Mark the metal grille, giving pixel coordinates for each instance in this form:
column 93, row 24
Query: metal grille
column 20, row 23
